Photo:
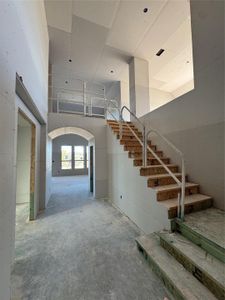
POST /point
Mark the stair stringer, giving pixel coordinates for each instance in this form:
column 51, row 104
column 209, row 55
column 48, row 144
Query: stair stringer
column 138, row 202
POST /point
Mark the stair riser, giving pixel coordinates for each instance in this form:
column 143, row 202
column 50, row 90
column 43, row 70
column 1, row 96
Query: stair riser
column 125, row 130
column 165, row 195
column 135, row 144
column 138, row 154
column 116, row 123
column 124, row 127
column 162, row 181
column 137, row 148
column 128, row 138
column 201, row 275
column 170, row 285
column 155, row 171
column 190, row 208
column 138, row 163
column 133, row 140
column 200, row 240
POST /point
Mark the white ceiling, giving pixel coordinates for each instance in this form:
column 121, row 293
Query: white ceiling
column 100, row 36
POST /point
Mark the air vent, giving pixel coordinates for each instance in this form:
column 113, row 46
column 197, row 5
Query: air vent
column 160, row 52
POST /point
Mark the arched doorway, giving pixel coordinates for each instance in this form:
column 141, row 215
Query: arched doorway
column 76, row 155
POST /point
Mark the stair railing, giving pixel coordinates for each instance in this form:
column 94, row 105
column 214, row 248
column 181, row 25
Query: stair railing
column 143, row 143
column 181, row 183
column 116, row 107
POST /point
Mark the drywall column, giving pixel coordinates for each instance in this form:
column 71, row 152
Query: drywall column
column 125, row 98
column 139, row 86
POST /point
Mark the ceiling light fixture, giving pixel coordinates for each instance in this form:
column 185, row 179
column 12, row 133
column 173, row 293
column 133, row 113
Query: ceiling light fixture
column 145, row 10
column 160, row 52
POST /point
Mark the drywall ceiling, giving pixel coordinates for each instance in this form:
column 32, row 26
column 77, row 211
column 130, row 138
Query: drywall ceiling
column 102, row 36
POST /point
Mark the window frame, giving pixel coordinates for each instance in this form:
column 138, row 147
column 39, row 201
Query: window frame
column 73, row 157
column 66, row 160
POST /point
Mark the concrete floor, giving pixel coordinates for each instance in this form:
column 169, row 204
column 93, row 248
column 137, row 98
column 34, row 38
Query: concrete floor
column 80, row 249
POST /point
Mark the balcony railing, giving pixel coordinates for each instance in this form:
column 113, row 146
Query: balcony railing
column 83, row 98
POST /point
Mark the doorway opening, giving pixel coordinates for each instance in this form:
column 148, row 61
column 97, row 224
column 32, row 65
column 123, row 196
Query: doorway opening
column 73, row 160
column 25, row 172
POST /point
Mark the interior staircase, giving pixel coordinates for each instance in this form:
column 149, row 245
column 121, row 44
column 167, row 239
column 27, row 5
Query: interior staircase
column 157, row 177
column 190, row 258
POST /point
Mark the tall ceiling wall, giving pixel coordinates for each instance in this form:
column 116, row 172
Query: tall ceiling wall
column 100, row 37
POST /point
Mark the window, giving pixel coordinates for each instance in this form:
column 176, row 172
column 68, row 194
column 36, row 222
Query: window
column 74, row 157
column 66, row 157
column 79, row 157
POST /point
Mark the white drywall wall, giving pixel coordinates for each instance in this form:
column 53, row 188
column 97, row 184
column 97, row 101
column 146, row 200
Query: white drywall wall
column 158, row 98
column 97, row 127
column 128, row 190
column 23, row 49
column 195, row 121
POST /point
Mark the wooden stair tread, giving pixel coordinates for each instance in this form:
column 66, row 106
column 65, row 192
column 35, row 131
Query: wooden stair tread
column 195, row 255
column 183, row 284
column 175, row 186
column 190, row 199
column 161, row 176
column 149, row 158
column 158, row 166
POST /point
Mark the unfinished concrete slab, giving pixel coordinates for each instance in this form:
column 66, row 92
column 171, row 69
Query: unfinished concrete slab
column 81, row 248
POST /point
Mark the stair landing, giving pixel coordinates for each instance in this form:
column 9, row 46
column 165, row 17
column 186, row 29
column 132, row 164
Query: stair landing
column 199, row 222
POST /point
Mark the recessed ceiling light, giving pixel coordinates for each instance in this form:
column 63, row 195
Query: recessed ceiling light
column 111, row 71
column 145, row 10
column 160, row 52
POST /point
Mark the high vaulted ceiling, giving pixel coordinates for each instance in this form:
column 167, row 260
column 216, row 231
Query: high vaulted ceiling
column 100, row 36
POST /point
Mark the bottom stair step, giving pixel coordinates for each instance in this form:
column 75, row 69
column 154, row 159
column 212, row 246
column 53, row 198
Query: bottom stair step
column 178, row 280
column 206, row 230
column 192, row 203
column 206, row 268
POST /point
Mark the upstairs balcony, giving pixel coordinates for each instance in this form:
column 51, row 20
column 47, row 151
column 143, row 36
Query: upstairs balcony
column 82, row 98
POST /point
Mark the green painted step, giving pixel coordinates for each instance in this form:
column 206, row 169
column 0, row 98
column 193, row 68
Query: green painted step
column 205, row 229
column 176, row 278
column 205, row 267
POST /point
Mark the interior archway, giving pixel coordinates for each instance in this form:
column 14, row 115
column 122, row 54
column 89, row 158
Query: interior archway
column 91, row 149
column 71, row 130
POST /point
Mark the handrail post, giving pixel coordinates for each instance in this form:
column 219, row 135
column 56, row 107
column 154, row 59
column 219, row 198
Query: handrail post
column 84, row 97
column 57, row 106
column 182, row 190
column 121, row 127
column 144, row 148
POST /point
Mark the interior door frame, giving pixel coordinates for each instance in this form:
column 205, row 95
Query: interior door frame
column 32, row 163
column 92, row 169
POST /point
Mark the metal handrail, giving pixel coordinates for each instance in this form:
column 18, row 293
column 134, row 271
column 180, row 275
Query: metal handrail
column 80, row 91
column 145, row 148
column 181, row 183
column 116, row 106
column 144, row 143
